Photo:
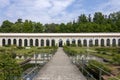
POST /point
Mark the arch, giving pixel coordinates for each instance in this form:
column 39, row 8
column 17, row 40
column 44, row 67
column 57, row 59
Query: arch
column 96, row 42
column 67, row 42
column 42, row 42
column 119, row 42
column 114, row 42
column 36, row 42
column 84, row 42
column 25, row 42
column 73, row 41
column 90, row 43
column 3, row 42
column 53, row 42
column 20, row 42
column 31, row 42
column 60, row 43
column 9, row 41
column 79, row 43
column 108, row 42
column 14, row 42
column 102, row 42
column 47, row 42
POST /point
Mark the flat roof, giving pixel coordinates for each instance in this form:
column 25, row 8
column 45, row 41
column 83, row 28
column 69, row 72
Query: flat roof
column 58, row 34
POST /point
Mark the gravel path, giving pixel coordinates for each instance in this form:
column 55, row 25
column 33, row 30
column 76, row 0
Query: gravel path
column 59, row 68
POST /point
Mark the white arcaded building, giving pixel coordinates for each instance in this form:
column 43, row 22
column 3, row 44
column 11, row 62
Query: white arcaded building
column 60, row 39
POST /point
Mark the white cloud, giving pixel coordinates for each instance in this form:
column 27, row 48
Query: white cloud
column 45, row 11
column 109, row 7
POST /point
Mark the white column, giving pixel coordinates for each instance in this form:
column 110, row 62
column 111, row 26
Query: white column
column 0, row 41
column 17, row 42
column 50, row 42
column 28, row 42
column 23, row 42
column 99, row 42
column 11, row 41
column 105, row 43
column 87, row 42
column 93, row 42
column 45, row 42
column 111, row 42
column 39, row 41
column 34, row 42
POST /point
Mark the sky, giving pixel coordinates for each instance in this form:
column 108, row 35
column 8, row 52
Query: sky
column 54, row 11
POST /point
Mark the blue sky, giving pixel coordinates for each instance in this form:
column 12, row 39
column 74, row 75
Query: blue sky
column 57, row 11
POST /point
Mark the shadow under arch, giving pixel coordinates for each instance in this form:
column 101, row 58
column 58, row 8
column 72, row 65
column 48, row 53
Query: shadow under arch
column 60, row 43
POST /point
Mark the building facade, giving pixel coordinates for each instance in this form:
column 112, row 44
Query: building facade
column 60, row 39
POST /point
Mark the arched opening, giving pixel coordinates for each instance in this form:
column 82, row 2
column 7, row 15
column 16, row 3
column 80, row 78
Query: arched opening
column 108, row 42
column 25, row 42
column 96, row 42
column 47, row 42
column 102, row 42
column 85, row 42
column 3, row 42
column 14, row 41
column 53, row 42
column 36, row 42
column 73, row 42
column 20, row 42
column 60, row 43
column 79, row 43
column 67, row 42
column 31, row 42
column 114, row 42
column 119, row 42
column 42, row 42
column 9, row 41
column 90, row 43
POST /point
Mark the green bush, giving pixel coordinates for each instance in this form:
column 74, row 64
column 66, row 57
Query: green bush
column 96, row 66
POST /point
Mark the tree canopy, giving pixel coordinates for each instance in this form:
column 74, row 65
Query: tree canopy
column 98, row 23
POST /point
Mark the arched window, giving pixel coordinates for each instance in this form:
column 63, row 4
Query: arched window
column 96, row 42
column 14, row 41
column 53, row 42
column 108, row 42
column 42, row 42
column 73, row 41
column 25, row 42
column 9, row 41
column 60, row 43
column 118, row 42
column 114, row 42
column 3, row 42
column 20, row 42
column 79, row 43
column 31, row 42
column 47, row 42
column 36, row 42
column 84, row 42
column 102, row 42
column 67, row 42
column 90, row 42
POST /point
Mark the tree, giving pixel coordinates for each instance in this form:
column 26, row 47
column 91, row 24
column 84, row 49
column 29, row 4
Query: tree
column 82, row 18
column 98, row 18
column 9, row 69
column 6, row 26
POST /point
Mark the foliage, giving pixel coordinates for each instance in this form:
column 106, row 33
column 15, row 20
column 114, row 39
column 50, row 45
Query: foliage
column 99, row 23
column 116, row 59
column 9, row 69
column 95, row 66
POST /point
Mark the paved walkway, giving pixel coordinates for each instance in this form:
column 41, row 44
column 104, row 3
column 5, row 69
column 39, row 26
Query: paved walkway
column 59, row 68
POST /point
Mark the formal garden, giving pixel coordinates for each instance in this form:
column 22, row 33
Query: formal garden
column 15, row 61
column 97, row 63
